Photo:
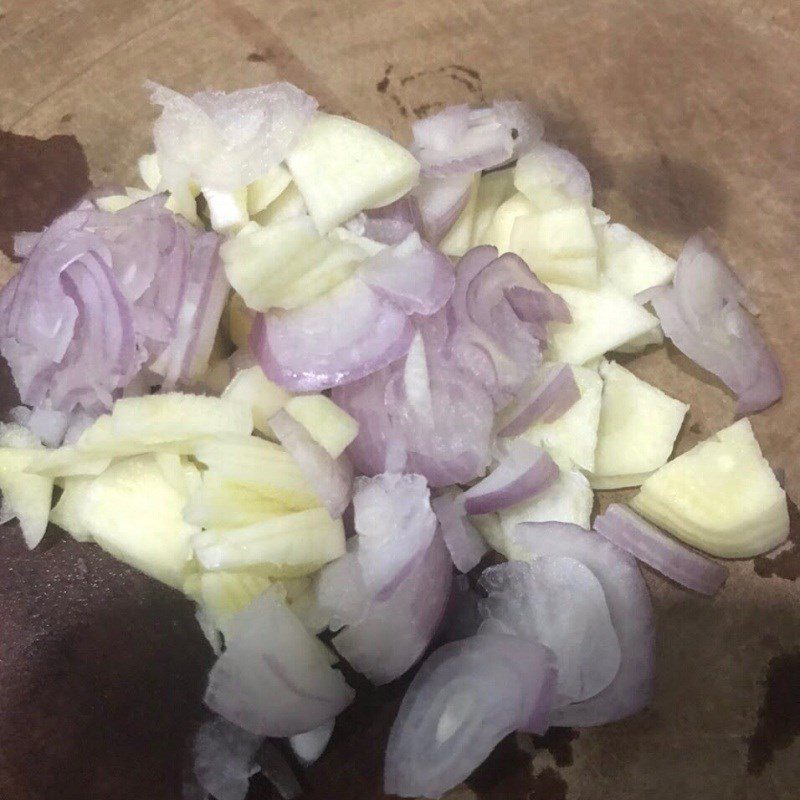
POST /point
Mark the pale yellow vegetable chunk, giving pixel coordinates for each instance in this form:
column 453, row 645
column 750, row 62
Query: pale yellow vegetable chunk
column 457, row 240
column 328, row 424
column 721, row 496
column 251, row 387
column 494, row 189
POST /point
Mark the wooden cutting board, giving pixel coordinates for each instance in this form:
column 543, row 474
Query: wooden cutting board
column 686, row 113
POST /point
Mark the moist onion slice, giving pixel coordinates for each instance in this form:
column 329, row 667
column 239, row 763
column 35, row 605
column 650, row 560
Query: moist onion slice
column 391, row 224
column 558, row 602
column 524, row 471
column 440, row 201
column 309, row 746
column 466, row 697
column 331, row 478
column 546, row 397
column 631, row 614
column 341, row 337
column 274, row 678
column 628, row 531
column 411, row 275
column 703, row 313
column 467, row 547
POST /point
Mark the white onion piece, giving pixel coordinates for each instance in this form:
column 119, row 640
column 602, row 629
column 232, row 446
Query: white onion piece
column 226, row 140
column 548, row 174
column 631, row 614
column 331, row 478
column 224, row 759
column 389, row 591
column 467, row 547
column 462, row 139
column 703, row 314
column 560, row 603
column 525, row 470
column 546, row 397
column 395, row 524
column 628, row 531
column 309, row 746
column 339, row 338
column 440, row 201
column 391, row 224
column 466, row 698
column 274, row 678
column 411, row 275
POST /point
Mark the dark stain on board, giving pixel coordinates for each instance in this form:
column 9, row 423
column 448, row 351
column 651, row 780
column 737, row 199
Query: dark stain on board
column 508, row 773
column 557, row 742
column 412, row 93
column 779, row 716
column 257, row 58
column 39, row 179
column 786, row 562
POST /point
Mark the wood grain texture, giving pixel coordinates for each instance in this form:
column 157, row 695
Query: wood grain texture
column 686, row 113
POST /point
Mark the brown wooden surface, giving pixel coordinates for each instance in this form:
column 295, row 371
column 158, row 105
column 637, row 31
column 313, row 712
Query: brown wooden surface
column 685, row 111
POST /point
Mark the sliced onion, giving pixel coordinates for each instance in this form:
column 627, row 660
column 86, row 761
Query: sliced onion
column 227, row 140
column 547, row 170
column 411, row 275
column 702, row 314
column 500, row 311
column 331, row 478
column 440, row 201
column 309, row 746
column 24, row 242
column 225, row 759
column 628, row 531
column 546, row 397
column 631, row 614
column 466, row 697
column 524, row 471
column 391, row 224
column 560, row 603
column 462, row 139
column 389, row 591
column 342, row 337
column 274, row 678
column 467, row 547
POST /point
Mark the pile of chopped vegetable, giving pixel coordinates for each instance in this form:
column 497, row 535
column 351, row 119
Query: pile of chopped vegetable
column 310, row 375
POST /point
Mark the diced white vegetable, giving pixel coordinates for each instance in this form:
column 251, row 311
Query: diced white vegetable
column 221, row 503
column 260, row 465
column 182, row 201
column 550, row 177
column 457, row 240
column 25, row 496
column 141, row 424
column 558, row 244
column 265, row 190
column 182, row 475
column 149, row 171
column 342, row 167
column 369, row 246
column 494, row 188
column 132, row 512
column 569, row 499
column 289, row 204
column 68, row 511
column 251, row 387
column 602, row 320
column 328, row 424
column 60, row 462
column 655, row 336
column 287, row 263
column 227, row 210
column 285, row 546
column 572, row 438
column 630, row 262
column 222, row 594
column 638, row 428
column 721, row 496
column 498, row 233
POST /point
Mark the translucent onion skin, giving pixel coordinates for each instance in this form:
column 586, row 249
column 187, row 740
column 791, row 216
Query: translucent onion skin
column 467, row 696
column 703, row 313
column 624, row 528
column 631, row 614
